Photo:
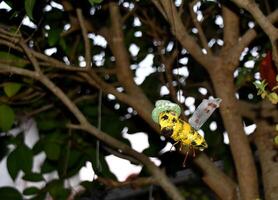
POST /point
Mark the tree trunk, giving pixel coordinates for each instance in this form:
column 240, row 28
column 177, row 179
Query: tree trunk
column 223, row 82
column 268, row 159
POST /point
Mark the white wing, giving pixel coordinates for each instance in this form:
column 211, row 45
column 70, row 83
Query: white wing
column 203, row 112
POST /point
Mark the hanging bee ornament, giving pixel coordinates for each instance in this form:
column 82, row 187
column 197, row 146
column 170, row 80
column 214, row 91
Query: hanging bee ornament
column 167, row 115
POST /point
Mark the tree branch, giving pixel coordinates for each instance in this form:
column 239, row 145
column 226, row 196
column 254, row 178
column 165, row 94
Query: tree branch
column 263, row 109
column 7, row 31
column 138, row 99
column 161, row 178
column 265, row 24
column 246, row 39
column 95, row 81
column 211, row 173
column 143, row 102
column 134, row 101
column 47, row 61
column 261, row 19
column 49, row 106
column 168, row 63
column 87, row 45
column 186, row 40
column 201, row 33
column 267, row 152
column 138, row 182
column 30, row 56
column 239, row 144
column 91, row 76
column 120, row 155
column 160, row 8
column 231, row 28
column 124, row 74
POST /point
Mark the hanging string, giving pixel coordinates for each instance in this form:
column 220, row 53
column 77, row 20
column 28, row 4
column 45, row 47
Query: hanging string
column 151, row 192
column 99, row 128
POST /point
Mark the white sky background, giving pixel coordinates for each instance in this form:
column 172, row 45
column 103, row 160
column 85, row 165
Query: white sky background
column 139, row 141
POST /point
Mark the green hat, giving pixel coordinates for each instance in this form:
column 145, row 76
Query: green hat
column 164, row 105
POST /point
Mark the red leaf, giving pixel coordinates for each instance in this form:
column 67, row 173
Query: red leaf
column 268, row 71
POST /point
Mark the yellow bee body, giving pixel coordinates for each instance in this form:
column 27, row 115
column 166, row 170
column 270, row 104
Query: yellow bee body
column 181, row 131
column 166, row 114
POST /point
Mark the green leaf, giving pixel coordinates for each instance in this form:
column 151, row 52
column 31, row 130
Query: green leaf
column 244, row 76
column 93, row 2
column 276, row 140
column 47, row 167
column 260, row 85
column 150, row 89
column 70, row 163
column 34, row 177
column 29, row 6
column 49, row 124
column 30, row 191
column 64, row 46
column 52, row 151
column 10, row 193
column 12, row 165
column 38, row 147
column 41, row 196
column 87, row 185
column 57, row 190
column 52, row 145
column 273, row 97
column 11, row 88
column 7, row 57
column 54, row 36
column 20, row 159
column 25, row 157
column 102, row 169
column 6, row 117
column 4, row 142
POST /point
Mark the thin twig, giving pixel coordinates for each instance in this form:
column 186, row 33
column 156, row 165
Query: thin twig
column 181, row 9
column 246, row 39
column 39, row 110
column 4, row 30
column 185, row 39
column 87, row 45
column 258, row 15
column 48, row 61
column 49, row 106
column 136, row 183
column 164, row 182
column 30, row 56
column 270, row 30
column 201, row 33
column 160, row 8
column 120, row 155
column 62, row 66
column 124, row 73
column 168, row 62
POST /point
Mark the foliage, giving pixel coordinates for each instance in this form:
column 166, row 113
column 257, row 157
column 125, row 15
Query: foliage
column 29, row 7
column 271, row 96
column 10, row 193
column 6, row 117
column 54, row 30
